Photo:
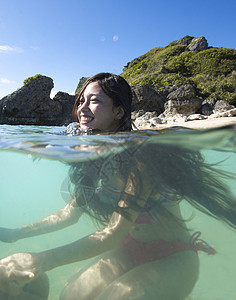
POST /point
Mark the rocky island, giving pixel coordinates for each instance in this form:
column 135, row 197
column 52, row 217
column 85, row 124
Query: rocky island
column 185, row 81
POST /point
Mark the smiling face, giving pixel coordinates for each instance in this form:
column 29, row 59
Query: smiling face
column 96, row 110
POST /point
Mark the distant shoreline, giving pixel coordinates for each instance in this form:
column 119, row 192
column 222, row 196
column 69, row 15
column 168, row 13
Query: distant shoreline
column 198, row 124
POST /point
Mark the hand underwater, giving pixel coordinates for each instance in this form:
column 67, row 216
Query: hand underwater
column 17, row 270
column 8, row 235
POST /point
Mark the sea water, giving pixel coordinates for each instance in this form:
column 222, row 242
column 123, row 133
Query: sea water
column 33, row 184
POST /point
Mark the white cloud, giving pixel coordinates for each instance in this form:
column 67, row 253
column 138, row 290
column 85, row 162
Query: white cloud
column 34, row 47
column 9, row 49
column 5, row 80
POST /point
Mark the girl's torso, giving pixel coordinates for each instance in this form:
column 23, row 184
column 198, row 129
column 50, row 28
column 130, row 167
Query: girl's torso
column 165, row 223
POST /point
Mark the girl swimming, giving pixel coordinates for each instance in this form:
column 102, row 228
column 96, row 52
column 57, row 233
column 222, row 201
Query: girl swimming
column 143, row 249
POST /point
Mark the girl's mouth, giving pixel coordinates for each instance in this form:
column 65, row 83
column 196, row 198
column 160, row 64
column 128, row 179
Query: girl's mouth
column 85, row 119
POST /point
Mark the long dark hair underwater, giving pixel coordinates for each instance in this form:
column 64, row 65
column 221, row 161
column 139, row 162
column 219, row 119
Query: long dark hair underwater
column 178, row 172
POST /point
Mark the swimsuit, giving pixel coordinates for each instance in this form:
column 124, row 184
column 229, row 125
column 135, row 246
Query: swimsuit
column 142, row 253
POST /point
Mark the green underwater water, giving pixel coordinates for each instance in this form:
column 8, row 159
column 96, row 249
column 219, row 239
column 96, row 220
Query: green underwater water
column 32, row 189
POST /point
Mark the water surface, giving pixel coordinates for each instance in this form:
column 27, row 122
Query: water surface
column 33, row 177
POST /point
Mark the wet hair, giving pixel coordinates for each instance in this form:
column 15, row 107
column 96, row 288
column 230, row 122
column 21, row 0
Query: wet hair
column 178, row 172
column 117, row 89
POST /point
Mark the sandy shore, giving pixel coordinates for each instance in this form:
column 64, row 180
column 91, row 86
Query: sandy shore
column 199, row 124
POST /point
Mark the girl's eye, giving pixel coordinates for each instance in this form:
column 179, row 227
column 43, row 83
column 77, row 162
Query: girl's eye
column 94, row 100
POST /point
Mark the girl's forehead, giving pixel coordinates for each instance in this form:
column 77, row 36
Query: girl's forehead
column 93, row 88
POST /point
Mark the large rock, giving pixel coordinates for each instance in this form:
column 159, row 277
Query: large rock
column 183, row 92
column 149, row 98
column 227, row 113
column 221, row 106
column 32, row 105
column 67, row 102
column 198, row 44
column 185, row 40
column 182, row 101
column 80, row 84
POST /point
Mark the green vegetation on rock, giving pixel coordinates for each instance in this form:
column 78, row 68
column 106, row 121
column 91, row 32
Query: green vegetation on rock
column 212, row 71
column 217, row 88
column 27, row 80
column 80, row 84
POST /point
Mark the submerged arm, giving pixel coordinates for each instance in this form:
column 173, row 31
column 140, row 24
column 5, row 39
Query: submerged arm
column 89, row 246
column 62, row 218
column 106, row 239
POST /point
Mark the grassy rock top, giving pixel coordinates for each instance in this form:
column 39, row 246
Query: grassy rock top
column 27, row 80
column 212, row 71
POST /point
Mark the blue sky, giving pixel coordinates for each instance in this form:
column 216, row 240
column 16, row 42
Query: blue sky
column 68, row 39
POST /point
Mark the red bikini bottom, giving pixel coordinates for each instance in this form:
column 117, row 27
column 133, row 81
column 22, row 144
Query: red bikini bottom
column 142, row 253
